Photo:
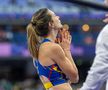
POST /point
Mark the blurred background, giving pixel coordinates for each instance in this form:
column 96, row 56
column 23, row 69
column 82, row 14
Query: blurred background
column 16, row 68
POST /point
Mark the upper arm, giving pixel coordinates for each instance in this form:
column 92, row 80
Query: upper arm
column 63, row 62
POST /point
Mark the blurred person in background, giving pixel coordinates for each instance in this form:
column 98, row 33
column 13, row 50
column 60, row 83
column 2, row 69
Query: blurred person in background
column 53, row 61
column 98, row 73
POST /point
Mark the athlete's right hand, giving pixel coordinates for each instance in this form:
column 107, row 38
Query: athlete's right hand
column 106, row 19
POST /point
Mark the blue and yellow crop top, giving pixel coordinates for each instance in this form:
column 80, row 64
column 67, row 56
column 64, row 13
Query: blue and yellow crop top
column 52, row 72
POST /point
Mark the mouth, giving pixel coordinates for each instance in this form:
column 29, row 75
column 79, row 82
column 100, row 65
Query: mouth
column 59, row 20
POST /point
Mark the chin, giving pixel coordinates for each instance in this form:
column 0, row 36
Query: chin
column 60, row 26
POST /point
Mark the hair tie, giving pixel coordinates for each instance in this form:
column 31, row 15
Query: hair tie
column 34, row 24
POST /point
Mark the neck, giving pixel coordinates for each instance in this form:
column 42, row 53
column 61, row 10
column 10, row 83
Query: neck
column 52, row 36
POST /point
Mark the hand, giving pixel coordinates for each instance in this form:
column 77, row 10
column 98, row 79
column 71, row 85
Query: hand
column 106, row 19
column 65, row 39
column 69, row 82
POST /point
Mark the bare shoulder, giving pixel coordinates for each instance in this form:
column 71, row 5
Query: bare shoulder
column 56, row 48
column 50, row 48
column 56, row 52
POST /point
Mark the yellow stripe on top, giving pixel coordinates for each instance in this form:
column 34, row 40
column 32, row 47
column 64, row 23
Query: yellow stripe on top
column 47, row 85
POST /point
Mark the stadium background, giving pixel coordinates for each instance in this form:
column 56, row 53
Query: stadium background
column 16, row 69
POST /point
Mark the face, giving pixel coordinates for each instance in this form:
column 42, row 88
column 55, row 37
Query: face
column 106, row 15
column 56, row 21
column 106, row 2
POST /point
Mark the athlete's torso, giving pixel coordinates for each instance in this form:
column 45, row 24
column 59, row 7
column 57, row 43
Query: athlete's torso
column 51, row 75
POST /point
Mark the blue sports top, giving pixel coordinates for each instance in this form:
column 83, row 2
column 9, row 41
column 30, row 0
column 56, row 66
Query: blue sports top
column 52, row 72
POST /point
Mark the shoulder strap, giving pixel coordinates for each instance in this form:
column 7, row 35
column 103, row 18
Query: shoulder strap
column 46, row 40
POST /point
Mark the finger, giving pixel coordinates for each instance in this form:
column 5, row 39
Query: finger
column 66, row 27
column 70, row 38
column 56, row 40
column 67, row 35
column 105, row 20
column 106, row 15
column 59, row 40
column 62, row 34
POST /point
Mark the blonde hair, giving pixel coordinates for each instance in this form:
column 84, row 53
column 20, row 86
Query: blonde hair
column 37, row 29
column 33, row 41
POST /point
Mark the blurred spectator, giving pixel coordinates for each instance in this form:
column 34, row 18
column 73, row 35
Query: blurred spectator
column 5, row 85
column 13, row 1
column 98, row 73
column 31, row 2
column 3, row 35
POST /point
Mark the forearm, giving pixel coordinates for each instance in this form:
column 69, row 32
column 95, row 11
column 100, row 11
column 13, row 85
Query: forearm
column 69, row 56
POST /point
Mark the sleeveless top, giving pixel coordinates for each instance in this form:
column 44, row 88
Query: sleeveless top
column 52, row 72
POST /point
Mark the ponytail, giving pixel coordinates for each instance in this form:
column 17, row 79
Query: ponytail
column 33, row 41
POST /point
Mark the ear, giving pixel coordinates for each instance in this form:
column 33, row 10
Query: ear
column 51, row 24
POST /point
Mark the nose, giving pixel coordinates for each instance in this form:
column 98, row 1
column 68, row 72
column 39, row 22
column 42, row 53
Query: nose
column 58, row 17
